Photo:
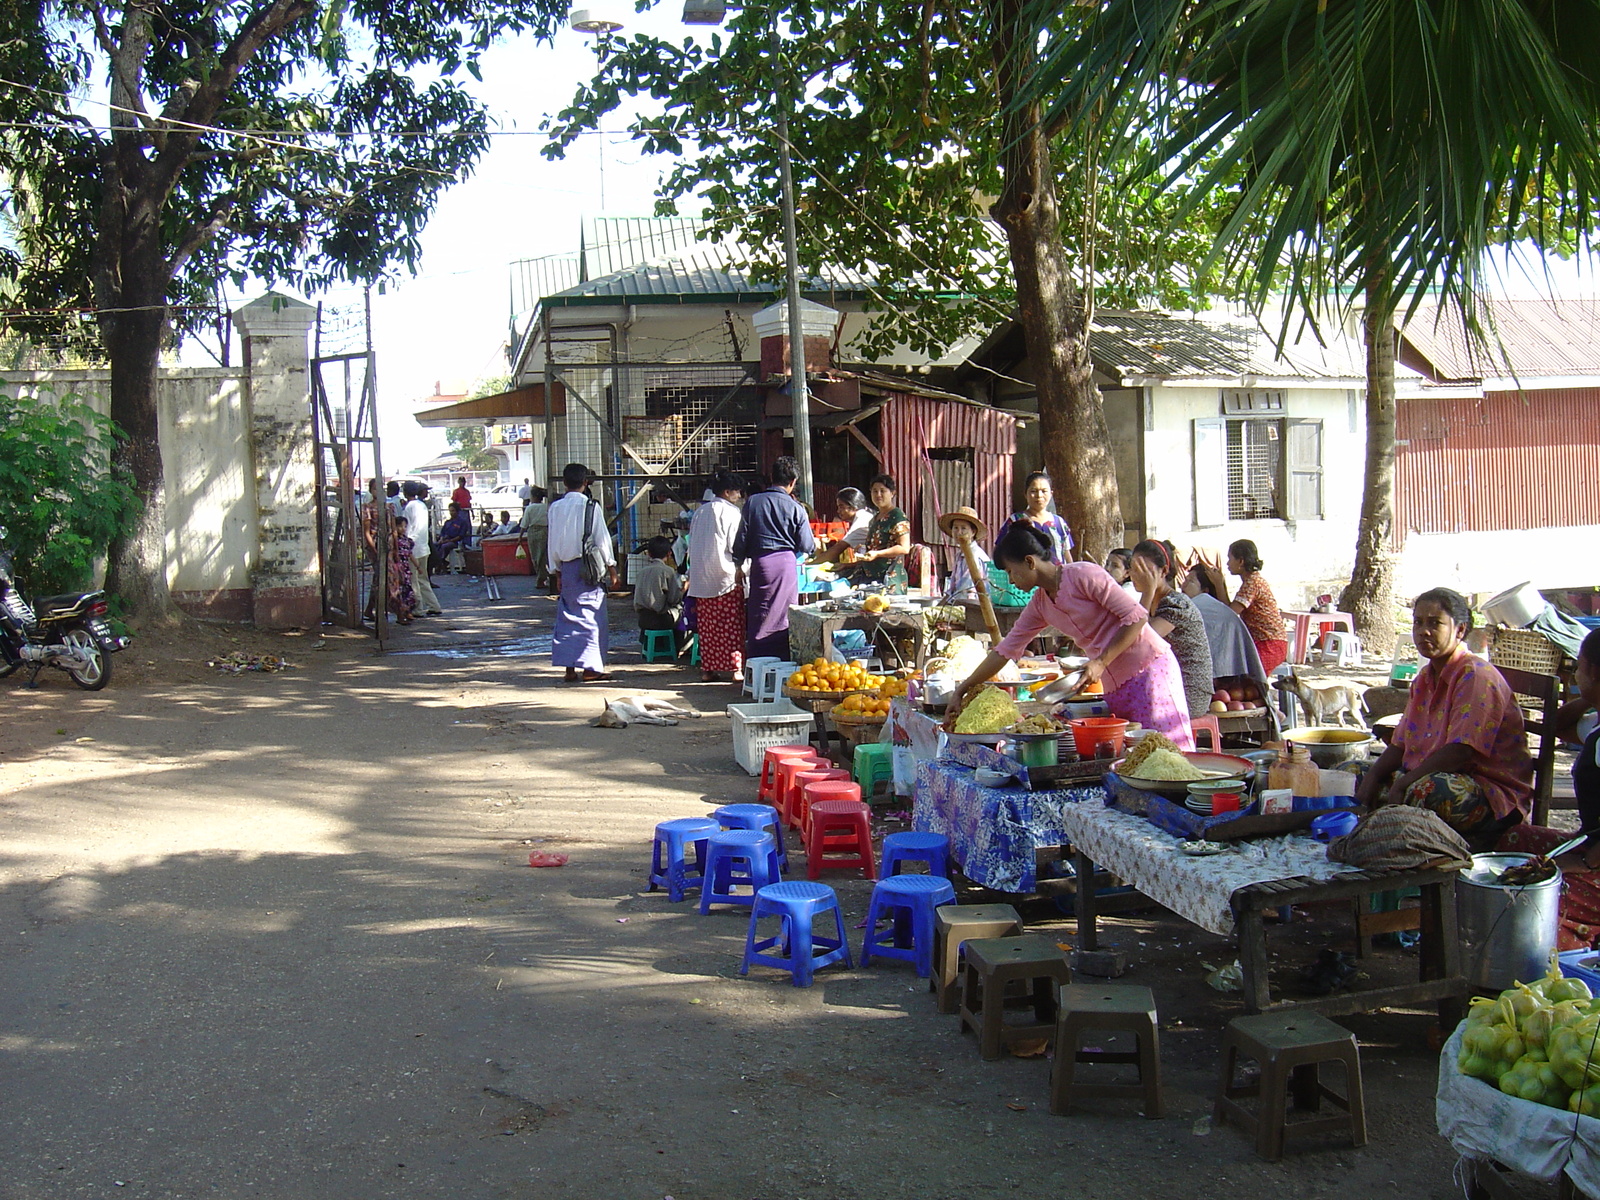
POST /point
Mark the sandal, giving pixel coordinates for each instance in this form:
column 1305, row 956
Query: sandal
column 596, row 677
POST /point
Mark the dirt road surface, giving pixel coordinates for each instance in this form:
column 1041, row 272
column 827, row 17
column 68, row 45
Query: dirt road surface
column 275, row 935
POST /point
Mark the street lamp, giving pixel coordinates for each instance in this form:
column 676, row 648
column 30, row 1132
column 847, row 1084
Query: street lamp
column 598, row 16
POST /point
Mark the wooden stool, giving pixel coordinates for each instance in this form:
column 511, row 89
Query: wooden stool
column 1289, row 1045
column 953, row 926
column 1106, row 1008
column 991, row 964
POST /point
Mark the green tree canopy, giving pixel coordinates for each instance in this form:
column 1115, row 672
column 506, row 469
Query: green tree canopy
column 269, row 140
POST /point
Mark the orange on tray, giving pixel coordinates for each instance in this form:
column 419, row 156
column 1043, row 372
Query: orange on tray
column 859, row 707
column 820, row 675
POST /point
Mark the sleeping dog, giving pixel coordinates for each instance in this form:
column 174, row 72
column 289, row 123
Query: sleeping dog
column 640, row 710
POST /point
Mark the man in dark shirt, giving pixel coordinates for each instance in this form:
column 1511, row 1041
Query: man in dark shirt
column 772, row 531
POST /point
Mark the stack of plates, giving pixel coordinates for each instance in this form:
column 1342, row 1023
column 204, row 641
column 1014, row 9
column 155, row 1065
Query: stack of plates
column 1198, row 804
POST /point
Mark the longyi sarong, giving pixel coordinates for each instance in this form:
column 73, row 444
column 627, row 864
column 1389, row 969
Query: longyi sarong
column 1154, row 698
column 581, row 629
column 719, row 623
column 774, row 586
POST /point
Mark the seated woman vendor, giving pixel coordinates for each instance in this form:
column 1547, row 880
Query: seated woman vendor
column 883, row 559
column 852, row 508
column 1142, row 680
column 1460, row 749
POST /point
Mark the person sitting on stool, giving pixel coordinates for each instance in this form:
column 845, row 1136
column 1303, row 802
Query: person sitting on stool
column 658, row 592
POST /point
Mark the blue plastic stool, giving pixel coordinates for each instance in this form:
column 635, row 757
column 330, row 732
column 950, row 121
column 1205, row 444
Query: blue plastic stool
column 801, row 950
column 651, row 642
column 669, row 867
column 907, row 903
column 873, row 764
column 757, row 817
column 737, row 858
column 930, row 848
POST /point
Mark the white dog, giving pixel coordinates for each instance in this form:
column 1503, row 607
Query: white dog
column 1327, row 701
column 640, row 710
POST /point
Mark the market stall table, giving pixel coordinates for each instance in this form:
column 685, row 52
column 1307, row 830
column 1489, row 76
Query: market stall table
column 812, row 626
column 1231, row 893
column 995, row 833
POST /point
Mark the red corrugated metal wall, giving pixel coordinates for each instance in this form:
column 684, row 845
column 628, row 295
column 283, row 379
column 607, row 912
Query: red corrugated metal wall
column 1513, row 460
column 912, row 423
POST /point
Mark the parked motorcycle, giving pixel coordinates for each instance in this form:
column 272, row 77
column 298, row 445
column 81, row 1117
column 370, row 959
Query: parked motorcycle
column 68, row 632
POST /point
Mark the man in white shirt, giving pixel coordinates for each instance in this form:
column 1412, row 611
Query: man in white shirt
column 418, row 520
column 582, row 631
column 525, row 492
column 715, row 580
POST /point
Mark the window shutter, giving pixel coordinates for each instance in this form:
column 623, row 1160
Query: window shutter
column 1304, row 470
column 1210, row 472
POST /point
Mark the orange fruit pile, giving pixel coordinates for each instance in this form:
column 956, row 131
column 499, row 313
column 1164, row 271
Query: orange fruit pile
column 864, row 706
column 820, row 675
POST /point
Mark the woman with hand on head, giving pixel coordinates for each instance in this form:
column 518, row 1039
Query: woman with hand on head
column 1143, row 681
column 1255, row 603
column 852, row 508
column 1460, row 749
column 1174, row 617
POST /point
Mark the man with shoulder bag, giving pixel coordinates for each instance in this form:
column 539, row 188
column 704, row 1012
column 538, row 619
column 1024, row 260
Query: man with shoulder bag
column 583, row 563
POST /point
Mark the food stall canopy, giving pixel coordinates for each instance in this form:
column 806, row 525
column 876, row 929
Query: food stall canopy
column 519, row 404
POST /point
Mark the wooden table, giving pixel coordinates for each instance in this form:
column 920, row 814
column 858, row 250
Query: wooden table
column 1440, row 979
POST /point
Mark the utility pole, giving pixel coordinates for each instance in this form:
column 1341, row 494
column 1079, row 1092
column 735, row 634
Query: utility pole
column 799, row 393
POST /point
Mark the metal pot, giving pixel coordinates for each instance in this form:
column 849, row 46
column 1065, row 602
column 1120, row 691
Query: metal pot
column 1518, row 606
column 1342, row 745
column 1507, row 932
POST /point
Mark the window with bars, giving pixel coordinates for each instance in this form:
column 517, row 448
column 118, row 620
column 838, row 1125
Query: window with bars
column 1254, row 469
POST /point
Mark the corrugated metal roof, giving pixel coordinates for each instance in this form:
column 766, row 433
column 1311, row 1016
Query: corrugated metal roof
column 1537, row 336
column 701, row 273
column 611, row 244
column 1155, row 344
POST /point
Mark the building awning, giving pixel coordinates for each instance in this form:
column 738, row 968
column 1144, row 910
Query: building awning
column 519, row 404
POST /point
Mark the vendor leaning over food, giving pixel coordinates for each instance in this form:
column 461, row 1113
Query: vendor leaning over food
column 1142, row 680
column 1460, row 748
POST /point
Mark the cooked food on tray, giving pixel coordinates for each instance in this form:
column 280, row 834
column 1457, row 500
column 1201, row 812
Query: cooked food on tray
column 1040, row 723
column 990, row 711
column 1167, row 765
column 1148, row 745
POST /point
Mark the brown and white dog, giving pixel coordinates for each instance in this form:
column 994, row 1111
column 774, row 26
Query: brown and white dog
column 640, row 710
column 1327, row 701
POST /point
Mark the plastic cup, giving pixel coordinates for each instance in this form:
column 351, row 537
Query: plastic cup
column 1224, row 802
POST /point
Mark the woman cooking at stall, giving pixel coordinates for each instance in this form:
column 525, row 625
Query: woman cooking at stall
column 1460, row 749
column 888, row 541
column 1142, row 679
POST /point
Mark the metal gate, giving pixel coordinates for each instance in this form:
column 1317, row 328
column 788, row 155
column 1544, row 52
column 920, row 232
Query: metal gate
column 651, row 431
column 352, row 541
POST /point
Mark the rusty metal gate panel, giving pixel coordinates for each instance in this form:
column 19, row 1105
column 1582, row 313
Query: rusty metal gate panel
column 352, row 544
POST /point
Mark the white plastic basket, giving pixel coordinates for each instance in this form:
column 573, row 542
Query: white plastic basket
column 757, row 728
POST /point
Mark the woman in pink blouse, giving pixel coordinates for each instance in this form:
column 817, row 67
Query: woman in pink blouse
column 1142, row 680
column 1460, row 748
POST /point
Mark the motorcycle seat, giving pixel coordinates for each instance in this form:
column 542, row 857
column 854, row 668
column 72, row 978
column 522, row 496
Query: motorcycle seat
column 51, row 604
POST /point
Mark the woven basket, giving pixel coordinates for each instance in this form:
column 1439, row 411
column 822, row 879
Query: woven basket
column 1526, row 650
column 795, row 693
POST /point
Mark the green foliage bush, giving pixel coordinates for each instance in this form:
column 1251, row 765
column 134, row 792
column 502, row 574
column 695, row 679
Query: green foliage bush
column 61, row 502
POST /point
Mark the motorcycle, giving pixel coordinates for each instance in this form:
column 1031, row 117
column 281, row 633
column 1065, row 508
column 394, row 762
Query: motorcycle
column 68, row 632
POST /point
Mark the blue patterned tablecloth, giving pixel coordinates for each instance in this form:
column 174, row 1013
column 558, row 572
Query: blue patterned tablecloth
column 993, row 832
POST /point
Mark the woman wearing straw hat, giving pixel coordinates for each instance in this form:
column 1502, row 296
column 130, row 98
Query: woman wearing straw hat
column 961, row 586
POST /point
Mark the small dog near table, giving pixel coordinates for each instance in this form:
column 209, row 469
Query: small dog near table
column 1327, row 701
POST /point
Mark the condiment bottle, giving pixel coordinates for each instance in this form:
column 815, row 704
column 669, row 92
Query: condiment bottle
column 1296, row 772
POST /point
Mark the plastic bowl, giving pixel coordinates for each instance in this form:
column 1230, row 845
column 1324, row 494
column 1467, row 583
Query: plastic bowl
column 1090, row 733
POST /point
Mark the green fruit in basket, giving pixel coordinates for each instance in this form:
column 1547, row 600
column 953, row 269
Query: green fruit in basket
column 1473, row 1065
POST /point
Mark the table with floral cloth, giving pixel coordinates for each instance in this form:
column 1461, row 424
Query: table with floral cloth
column 1197, row 889
column 993, row 832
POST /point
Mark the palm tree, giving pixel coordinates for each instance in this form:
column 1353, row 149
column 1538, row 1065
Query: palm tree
column 1386, row 146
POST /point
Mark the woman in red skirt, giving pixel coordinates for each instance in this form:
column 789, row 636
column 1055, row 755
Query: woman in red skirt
column 715, row 582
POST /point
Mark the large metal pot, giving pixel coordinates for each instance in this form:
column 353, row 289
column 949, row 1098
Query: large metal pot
column 1518, row 606
column 1507, row 932
column 1330, row 745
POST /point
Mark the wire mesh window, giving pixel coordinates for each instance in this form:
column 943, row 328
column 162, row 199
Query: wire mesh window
column 1255, row 469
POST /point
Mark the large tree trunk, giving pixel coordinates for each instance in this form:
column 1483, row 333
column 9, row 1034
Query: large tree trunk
column 1370, row 595
column 138, row 562
column 1073, row 435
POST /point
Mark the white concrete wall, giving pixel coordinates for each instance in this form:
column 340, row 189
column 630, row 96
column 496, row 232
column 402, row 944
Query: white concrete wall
column 1304, row 558
column 1492, row 561
column 205, row 452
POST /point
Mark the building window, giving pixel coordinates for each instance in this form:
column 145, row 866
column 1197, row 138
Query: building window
column 1255, row 456
column 1253, row 469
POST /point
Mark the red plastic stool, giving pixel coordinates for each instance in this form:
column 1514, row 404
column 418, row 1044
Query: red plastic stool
column 838, row 827
column 799, row 803
column 767, row 792
column 1206, row 724
column 788, row 768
